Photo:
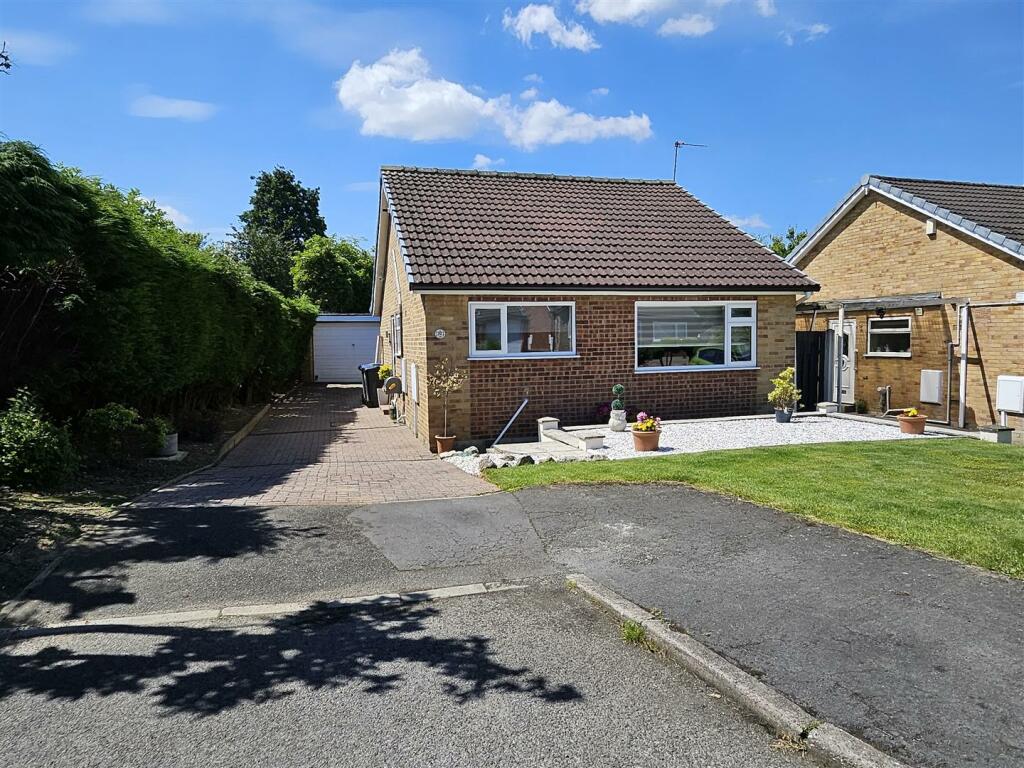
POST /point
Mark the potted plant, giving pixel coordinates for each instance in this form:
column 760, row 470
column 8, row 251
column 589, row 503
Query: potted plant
column 785, row 396
column 617, row 418
column 165, row 437
column 445, row 380
column 912, row 421
column 383, row 373
column 646, row 432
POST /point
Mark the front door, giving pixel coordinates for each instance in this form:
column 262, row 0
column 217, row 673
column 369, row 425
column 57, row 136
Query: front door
column 849, row 362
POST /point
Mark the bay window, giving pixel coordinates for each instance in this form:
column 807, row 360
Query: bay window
column 528, row 329
column 695, row 335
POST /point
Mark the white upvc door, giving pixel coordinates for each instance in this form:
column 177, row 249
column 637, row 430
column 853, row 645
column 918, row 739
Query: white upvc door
column 849, row 360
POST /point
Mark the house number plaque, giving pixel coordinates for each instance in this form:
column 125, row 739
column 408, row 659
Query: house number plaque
column 439, row 333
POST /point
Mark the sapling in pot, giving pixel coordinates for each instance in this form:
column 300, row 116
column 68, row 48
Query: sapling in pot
column 785, row 396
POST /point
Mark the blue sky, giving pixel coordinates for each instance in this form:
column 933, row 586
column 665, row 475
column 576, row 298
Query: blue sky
column 187, row 100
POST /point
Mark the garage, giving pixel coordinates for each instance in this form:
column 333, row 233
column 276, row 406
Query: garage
column 341, row 343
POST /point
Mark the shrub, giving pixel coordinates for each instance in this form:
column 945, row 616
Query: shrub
column 114, row 433
column 200, row 425
column 785, row 395
column 33, row 451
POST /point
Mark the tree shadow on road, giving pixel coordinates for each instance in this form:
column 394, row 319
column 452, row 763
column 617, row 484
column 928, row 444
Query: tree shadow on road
column 94, row 573
column 203, row 671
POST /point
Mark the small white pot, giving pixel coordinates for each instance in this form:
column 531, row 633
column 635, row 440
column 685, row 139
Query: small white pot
column 617, row 421
column 170, row 446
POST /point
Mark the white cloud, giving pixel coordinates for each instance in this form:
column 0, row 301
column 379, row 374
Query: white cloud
column 814, row 31
column 36, row 49
column 483, row 162
column 619, row 11
column 396, row 96
column 551, row 122
column 362, row 186
column 694, row 25
column 189, row 110
column 542, row 20
column 602, row 91
column 754, row 221
column 808, row 33
column 533, row 78
column 178, row 218
column 129, row 11
column 529, row 94
column 765, row 7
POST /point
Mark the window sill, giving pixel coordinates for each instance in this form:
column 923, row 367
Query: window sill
column 900, row 355
column 698, row 369
column 537, row 356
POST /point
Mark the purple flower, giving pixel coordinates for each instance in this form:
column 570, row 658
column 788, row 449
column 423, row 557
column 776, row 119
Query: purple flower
column 642, row 416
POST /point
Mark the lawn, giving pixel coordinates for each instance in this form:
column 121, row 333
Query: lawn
column 959, row 498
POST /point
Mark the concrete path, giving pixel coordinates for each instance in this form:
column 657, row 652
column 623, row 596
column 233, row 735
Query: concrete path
column 321, row 446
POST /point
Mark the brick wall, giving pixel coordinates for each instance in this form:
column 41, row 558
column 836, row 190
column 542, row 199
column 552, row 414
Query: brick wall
column 881, row 249
column 572, row 389
column 413, row 339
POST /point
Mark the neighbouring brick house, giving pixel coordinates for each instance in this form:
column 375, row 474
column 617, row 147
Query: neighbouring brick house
column 555, row 288
column 913, row 262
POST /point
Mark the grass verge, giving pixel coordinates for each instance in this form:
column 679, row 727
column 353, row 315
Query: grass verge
column 960, row 498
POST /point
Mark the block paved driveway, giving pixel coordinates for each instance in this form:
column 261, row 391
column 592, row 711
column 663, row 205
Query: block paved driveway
column 320, row 445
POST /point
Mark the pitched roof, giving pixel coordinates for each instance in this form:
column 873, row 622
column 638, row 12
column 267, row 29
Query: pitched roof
column 465, row 229
column 993, row 213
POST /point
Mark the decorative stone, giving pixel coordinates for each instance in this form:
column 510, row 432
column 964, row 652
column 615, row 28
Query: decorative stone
column 471, row 451
column 617, row 421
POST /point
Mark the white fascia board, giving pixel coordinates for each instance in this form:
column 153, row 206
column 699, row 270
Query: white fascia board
column 574, row 292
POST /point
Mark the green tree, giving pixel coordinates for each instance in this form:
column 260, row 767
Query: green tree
column 282, row 216
column 280, row 204
column 783, row 245
column 267, row 255
column 334, row 273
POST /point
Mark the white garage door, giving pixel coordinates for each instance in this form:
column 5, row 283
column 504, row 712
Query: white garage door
column 341, row 346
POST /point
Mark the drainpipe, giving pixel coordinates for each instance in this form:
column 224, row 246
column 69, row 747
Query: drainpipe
column 839, row 359
column 963, row 317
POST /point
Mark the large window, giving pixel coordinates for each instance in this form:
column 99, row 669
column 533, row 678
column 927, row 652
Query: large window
column 692, row 335
column 888, row 337
column 532, row 329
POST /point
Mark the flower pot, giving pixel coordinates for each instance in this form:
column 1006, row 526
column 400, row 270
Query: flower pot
column 382, row 397
column 617, row 421
column 912, row 425
column 445, row 443
column 170, row 445
column 783, row 416
column 646, row 441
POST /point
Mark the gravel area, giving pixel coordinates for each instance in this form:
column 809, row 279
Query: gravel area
column 716, row 435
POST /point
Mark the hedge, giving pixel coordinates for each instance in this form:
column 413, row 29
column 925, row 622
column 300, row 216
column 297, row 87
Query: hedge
column 103, row 299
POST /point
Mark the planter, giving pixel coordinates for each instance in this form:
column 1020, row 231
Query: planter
column 382, row 398
column 617, row 421
column 445, row 443
column 783, row 416
column 912, row 425
column 170, row 445
column 646, row 441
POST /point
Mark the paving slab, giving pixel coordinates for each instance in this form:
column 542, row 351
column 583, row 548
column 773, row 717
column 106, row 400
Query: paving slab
column 320, row 445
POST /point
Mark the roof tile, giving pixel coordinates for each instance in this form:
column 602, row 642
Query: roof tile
column 473, row 228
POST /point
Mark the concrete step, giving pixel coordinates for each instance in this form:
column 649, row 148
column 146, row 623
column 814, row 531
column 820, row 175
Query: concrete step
column 584, row 441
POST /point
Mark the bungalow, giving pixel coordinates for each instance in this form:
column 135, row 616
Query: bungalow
column 926, row 279
column 552, row 289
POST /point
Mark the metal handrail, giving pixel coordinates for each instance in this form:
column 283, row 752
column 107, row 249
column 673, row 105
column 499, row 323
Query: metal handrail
column 509, row 424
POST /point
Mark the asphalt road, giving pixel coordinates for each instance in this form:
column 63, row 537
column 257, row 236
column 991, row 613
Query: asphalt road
column 918, row 655
column 526, row 677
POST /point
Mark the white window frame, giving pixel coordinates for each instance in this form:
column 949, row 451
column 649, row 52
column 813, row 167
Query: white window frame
column 890, row 331
column 490, row 354
column 730, row 323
